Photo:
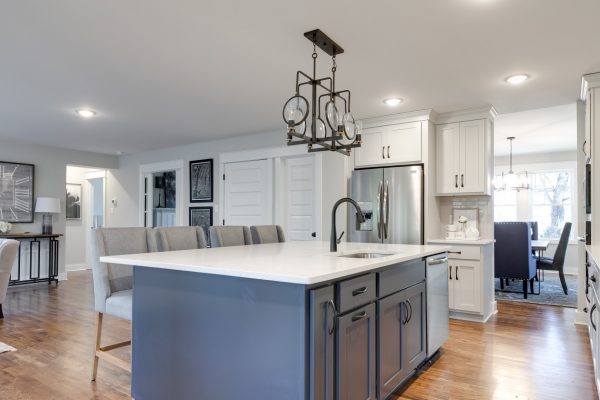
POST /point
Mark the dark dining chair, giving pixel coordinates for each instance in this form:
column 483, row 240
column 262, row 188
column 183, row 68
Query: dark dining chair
column 512, row 253
column 557, row 263
column 534, row 230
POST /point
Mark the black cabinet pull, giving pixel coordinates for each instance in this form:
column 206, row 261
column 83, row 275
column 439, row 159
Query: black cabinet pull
column 405, row 311
column 450, row 271
column 462, row 180
column 359, row 291
column 331, row 304
column 383, row 152
column 593, row 278
column 410, row 310
column 455, row 252
column 359, row 316
column 456, row 272
column 388, row 151
column 456, row 181
column 591, row 316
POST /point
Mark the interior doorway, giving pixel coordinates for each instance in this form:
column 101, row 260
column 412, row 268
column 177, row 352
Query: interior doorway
column 161, row 189
column 85, row 210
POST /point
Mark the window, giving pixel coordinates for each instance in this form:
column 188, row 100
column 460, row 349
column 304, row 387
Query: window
column 505, row 205
column 551, row 201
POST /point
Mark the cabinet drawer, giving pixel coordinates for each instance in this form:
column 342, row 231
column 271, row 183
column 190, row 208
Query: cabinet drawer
column 594, row 276
column 400, row 276
column 355, row 292
column 465, row 253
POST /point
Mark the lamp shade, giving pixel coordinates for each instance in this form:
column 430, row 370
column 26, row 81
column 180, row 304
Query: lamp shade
column 48, row 205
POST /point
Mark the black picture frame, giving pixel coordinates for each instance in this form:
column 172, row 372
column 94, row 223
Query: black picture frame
column 24, row 210
column 201, row 181
column 194, row 221
column 73, row 201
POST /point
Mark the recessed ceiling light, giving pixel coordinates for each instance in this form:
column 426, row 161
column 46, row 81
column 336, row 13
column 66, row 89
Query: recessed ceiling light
column 393, row 101
column 517, row 79
column 85, row 113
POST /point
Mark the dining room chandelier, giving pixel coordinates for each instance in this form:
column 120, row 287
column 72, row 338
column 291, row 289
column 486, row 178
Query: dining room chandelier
column 331, row 125
column 511, row 180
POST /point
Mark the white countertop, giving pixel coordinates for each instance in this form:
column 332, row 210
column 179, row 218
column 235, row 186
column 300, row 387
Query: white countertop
column 479, row 242
column 304, row 263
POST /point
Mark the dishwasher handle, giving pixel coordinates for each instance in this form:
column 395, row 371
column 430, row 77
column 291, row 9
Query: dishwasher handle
column 437, row 261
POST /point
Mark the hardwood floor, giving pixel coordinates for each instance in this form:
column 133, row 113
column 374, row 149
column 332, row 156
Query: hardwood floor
column 525, row 352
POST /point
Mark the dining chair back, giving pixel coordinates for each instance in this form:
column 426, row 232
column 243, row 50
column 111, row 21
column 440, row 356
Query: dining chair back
column 8, row 253
column 175, row 238
column 229, row 235
column 262, row 234
column 513, row 258
column 557, row 263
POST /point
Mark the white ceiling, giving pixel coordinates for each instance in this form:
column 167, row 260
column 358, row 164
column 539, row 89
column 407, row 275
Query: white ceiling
column 164, row 73
column 545, row 130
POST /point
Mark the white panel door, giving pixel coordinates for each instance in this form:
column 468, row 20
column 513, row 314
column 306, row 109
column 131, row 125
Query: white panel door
column 371, row 151
column 448, row 156
column 403, row 143
column 472, row 150
column 300, row 195
column 467, row 286
column 248, row 193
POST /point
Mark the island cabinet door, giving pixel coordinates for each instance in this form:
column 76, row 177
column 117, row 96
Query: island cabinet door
column 322, row 342
column 356, row 355
column 392, row 314
column 414, row 344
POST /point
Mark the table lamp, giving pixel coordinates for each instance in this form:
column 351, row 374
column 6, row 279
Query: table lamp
column 47, row 206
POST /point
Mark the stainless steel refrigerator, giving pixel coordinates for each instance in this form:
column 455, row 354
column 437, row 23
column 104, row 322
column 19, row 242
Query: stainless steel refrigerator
column 392, row 201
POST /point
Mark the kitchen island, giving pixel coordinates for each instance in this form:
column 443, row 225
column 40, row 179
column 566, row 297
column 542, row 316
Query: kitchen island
column 277, row 321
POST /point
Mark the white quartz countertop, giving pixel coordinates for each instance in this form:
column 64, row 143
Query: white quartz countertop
column 480, row 242
column 304, row 263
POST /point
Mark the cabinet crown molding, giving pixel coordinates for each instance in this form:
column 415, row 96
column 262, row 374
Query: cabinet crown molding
column 393, row 119
column 588, row 82
column 488, row 112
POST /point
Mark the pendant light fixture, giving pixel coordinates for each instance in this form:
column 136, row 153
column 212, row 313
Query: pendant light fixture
column 326, row 122
column 511, row 180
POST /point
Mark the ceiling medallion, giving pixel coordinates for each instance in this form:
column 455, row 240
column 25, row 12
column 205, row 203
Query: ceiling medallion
column 330, row 125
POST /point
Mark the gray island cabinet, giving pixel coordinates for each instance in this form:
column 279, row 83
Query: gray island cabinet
column 344, row 329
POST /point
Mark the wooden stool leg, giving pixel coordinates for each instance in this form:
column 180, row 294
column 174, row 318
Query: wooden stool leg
column 98, row 339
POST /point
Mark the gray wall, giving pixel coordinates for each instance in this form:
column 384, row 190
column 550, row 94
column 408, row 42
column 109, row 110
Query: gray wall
column 50, row 178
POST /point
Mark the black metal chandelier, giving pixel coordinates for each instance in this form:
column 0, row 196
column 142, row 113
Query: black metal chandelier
column 339, row 132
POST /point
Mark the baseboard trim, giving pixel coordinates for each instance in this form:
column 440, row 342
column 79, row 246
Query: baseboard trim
column 469, row 317
column 581, row 318
column 62, row 276
column 76, row 267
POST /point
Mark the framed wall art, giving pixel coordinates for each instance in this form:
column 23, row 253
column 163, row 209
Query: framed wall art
column 73, row 202
column 202, row 217
column 16, row 192
column 201, row 181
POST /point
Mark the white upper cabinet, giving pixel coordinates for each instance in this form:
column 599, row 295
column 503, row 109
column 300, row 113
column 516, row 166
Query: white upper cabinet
column 464, row 158
column 391, row 144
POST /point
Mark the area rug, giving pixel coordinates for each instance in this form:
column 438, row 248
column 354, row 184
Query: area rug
column 551, row 291
column 4, row 348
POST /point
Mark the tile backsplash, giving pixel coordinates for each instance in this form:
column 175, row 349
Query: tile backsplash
column 485, row 204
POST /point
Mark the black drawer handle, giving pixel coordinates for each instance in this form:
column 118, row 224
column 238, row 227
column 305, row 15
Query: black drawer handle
column 359, row 291
column 455, row 252
column 359, row 316
column 591, row 316
column 331, row 329
column 593, row 278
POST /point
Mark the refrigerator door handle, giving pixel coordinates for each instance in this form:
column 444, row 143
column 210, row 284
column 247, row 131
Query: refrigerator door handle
column 386, row 204
column 379, row 209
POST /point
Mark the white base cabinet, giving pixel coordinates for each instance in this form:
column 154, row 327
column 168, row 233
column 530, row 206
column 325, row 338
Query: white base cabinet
column 470, row 280
column 592, row 294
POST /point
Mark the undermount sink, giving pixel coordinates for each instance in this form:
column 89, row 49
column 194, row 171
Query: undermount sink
column 366, row 255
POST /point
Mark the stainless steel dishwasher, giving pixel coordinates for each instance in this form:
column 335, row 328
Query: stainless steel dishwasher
column 437, row 302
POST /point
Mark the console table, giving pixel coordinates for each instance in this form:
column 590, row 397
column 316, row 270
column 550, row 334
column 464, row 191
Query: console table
column 35, row 243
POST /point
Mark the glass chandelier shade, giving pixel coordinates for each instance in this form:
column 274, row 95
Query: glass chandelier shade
column 511, row 180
